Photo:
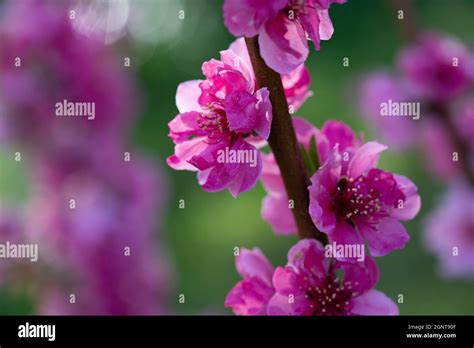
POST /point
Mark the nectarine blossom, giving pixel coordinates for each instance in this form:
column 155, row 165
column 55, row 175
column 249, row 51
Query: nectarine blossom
column 283, row 27
column 227, row 113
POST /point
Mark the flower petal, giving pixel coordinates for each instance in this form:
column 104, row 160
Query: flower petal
column 241, row 111
column 365, row 158
column 187, row 96
column 412, row 203
column 249, row 297
column 389, row 235
column 283, row 44
column 360, row 276
column 248, row 173
column 345, row 234
column 237, row 56
column 184, row 126
column 264, row 114
column 276, row 212
column 374, row 302
column 183, row 152
column 246, row 17
column 252, row 263
column 281, row 305
column 308, row 254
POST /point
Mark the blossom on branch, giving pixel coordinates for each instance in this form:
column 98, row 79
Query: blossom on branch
column 283, row 26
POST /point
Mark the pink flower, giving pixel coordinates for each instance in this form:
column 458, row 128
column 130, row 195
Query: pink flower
column 67, row 67
column 439, row 148
column 310, row 285
column 276, row 206
column 296, row 85
column 449, row 232
column 437, row 68
column 112, row 198
column 351, row 200
column 226, row 113
column 283, row 27
column 251, row 295
column 381, row 87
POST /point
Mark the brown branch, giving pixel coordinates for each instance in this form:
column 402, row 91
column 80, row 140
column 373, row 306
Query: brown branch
column 284, row 145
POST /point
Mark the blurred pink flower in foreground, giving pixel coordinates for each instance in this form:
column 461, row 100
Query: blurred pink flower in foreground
column 43, row 61
column 283, row 26
column 275, row 208
column 94, row 204
column 106, row 240
column 225, row 113
column 449, row 232
column 308, row 285
column 351, row 200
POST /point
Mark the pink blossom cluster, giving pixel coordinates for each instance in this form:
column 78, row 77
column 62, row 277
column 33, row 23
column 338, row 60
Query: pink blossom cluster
column 283, row 27
column 94, row 201
column 309, row 284
column 227, row 110
column 438, row 73
column 352, row 201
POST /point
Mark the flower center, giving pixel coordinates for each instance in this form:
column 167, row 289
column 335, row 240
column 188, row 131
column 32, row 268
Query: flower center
column 214, row 123
column 332, row 298
column 371, row 195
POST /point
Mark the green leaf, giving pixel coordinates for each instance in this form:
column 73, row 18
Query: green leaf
column 313, row 153
column 307, row 161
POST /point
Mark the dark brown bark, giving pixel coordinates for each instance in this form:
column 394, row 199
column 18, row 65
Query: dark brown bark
column 284, row 145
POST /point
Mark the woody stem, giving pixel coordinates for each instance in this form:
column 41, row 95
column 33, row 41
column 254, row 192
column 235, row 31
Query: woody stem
column 284, row 145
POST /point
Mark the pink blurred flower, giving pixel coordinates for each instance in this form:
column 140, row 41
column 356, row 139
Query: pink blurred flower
column 378, row 88
column 437, row 68
column 223, row 113
column 439, row 149
column 283, row 27
column 251, row 295
column 110, row 270
column 276, row 208
column 352, row 201
column 57, row 64
column 449, row 232
column 310, row 285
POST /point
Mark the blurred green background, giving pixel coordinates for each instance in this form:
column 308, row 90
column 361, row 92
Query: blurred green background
column 201, row 237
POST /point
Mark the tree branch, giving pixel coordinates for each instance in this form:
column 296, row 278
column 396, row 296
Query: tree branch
column 284, row 145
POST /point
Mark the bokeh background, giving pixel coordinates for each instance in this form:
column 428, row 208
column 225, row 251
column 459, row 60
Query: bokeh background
column 200, row 238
